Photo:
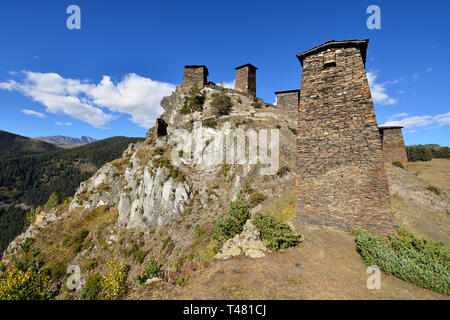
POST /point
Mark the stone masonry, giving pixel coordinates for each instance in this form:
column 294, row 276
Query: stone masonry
column 341, row 174
column 246, row 79
column 289, row 101
column 393, row 145
column 194, row 73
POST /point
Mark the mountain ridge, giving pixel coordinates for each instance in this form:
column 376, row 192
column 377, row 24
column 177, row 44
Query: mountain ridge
column 60, row 140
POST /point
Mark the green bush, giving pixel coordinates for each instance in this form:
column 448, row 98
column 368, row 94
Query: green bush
column 434, row 189
column 52, row 201
column 275, row 233
column 233, row 224
column 92, row 288
column 193, row 101
column 398, row 164
column 80, row 236
column 284, row 170
column 151, row 270
column 210, row 123
column 56, row 271
column 420, row 261
column 256, row 198
column 221, row 102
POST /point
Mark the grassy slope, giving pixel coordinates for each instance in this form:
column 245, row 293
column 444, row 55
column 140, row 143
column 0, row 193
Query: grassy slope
column 436, row 172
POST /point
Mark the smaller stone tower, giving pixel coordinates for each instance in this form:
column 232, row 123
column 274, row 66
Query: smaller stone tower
column 289, row 101
column 393, row 145
column 246, row 79
column 195, row 73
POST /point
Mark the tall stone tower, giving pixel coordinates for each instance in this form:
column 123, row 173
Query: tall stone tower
column 341, row 175
column 246, row 79
column 393, row 145
column 195, row 73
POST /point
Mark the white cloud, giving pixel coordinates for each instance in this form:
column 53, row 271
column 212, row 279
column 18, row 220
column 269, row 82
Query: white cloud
column 399, row 115
column 63, row 123
column 89, row 102
column 429, row 69
column 415, row 77
column 378, row 90
column 229, row 84
column 34, row 113
column 421, row 121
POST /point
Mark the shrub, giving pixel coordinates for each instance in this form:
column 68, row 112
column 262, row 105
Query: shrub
column 23, row 278
column 221, row 102
column 193, row 101
column 80, row 236
column 420, row 261
column 52, row 201
column 210, row 123
column 275, row 233
column 283, row 171
column 89, row 266
column 93, row 287
column 114, row 283
column 228, row 227
column 151, row 270
column 139, row 255
column 398, row 164
column 434, row 189
column 19, row 284
column 256, row 104
column 256, row 198
column 56, row 271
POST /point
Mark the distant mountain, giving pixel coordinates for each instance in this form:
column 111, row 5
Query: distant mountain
column 14, row 145
column 66, row 141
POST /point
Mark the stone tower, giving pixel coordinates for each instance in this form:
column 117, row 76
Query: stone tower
column 393, row 145
column 341, row 175
column 289, row 100
column 195, row 73
column 246, row 79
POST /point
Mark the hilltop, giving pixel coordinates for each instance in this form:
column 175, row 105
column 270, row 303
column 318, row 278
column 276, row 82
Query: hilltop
column 14, row 145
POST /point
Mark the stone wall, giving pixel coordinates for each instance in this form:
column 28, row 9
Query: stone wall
column 289, row 101
column 341, row 175
column 195, row 73
column 246, row 79
column 393, row 145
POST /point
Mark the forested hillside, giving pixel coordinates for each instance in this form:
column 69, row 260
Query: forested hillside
column 30, row 179
column 13, row 145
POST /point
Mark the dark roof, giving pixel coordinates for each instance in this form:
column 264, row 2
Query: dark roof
column 194, row 66
column 361, row 44
column 287, row 91
column 389, row 127
column 247, row 65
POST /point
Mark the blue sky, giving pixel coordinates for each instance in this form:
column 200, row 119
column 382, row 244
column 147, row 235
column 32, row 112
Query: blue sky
column 107, row 78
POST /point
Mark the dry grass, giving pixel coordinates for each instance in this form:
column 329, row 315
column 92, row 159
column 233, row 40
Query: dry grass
column 436, row 172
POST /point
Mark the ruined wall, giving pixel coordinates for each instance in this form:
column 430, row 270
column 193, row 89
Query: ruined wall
column 341, row 175
column 289, row 101
column 246, row 79
column 393, row 145
column 195, row 73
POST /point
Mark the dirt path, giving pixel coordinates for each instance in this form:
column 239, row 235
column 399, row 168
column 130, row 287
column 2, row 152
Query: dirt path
column 324, row 266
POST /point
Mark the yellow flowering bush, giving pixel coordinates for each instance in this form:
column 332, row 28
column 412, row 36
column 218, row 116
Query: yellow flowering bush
column 114, row 283
column 18, row 284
